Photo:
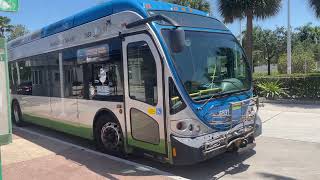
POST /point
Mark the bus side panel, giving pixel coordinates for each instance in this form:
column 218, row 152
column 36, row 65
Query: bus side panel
column 34, row 105
column 89, row 108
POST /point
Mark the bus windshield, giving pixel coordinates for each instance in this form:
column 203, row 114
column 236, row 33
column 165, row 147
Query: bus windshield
column 211, row 64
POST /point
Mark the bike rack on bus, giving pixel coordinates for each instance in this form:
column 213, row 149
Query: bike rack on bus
column 241, row 132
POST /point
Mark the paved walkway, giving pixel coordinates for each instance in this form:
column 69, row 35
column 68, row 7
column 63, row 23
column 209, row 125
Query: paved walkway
column 34, row 157
column 291, row 121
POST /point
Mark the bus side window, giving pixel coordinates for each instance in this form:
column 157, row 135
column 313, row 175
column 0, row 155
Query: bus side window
column 94, row 72
column 176, row 102
column 142, row 73
column 13, row 77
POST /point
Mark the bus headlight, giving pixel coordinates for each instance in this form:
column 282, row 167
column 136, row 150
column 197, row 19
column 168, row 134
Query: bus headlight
column 188, row 127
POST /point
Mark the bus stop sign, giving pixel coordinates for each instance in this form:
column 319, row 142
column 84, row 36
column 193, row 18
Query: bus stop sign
column 5, row 125
column 9, row 5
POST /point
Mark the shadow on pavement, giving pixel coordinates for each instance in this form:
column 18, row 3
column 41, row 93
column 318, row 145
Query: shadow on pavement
column 216, row 168
column 274, row 176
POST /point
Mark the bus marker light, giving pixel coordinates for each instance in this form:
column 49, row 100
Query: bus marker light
column 147, row 6
column 174, row 152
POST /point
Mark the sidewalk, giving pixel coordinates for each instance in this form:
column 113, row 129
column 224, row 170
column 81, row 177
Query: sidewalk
column 291, row 121
column 36, row 157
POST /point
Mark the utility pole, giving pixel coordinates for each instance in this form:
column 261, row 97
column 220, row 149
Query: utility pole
column 289, row 62
column 240, row 22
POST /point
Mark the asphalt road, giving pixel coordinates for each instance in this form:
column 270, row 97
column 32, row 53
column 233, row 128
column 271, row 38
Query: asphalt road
column 289, row 148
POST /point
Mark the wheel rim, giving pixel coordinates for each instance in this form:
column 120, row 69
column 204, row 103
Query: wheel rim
column 111, row 136
column 16, row 114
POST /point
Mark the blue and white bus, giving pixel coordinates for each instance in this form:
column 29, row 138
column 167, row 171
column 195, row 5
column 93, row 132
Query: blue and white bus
column 138, row 76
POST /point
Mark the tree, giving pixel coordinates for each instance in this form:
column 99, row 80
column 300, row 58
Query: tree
column 268, row 44
column 17, row 31
column 5, row 25
column 202, row 5
column 315, row 4
column 250, row 9
column 302, row 60
column 308, row 33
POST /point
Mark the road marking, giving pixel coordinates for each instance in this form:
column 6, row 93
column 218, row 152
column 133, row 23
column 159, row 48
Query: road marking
column 271, row 117
column 137, row 165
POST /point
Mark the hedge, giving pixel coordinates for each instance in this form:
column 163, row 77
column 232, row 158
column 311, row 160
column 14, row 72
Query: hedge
column 306, row 87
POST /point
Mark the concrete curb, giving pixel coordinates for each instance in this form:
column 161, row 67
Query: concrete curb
column 289, row 101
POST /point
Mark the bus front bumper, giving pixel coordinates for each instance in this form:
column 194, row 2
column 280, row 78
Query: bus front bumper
column 194, row 150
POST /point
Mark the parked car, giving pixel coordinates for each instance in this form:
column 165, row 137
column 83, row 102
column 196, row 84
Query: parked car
column 25, row 88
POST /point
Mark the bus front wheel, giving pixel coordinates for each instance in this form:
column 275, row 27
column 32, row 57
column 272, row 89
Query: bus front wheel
column 108, row 136
column 16, row 114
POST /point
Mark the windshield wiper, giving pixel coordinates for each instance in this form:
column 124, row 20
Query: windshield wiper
column 231, row 82
column 220, row 93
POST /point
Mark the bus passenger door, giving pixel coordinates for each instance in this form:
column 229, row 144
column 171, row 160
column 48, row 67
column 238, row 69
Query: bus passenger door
column 144, row 111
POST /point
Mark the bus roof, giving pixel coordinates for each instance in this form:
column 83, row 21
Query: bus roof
column 104, row 9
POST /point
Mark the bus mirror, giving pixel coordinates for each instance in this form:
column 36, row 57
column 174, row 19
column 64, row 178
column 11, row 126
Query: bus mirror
column 177, row 40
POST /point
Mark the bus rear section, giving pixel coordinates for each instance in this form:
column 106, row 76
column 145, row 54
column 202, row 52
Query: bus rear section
column 138, row 76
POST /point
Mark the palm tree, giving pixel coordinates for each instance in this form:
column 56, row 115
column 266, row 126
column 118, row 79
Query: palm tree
column 250, row 9
column 202, row 5
column 315, row 4
column 5, row 25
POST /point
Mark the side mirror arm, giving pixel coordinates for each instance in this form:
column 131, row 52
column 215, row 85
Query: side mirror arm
column 151, row 19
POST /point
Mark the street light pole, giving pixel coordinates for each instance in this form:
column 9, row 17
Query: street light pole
column 289, row 70
column 240, row 22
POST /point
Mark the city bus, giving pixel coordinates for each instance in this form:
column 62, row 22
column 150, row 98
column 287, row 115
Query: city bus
column 138, row 76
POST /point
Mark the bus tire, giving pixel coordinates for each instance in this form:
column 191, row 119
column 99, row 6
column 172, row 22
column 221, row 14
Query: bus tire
column 16, row 114
column 108, row 136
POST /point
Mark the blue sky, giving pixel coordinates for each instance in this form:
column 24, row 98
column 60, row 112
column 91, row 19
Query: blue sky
column 37, row 13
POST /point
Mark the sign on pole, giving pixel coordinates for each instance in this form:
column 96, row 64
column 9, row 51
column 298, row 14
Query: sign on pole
column 9, row 5
column 5, row 116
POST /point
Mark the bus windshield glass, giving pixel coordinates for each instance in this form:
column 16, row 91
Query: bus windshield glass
column 211, row 64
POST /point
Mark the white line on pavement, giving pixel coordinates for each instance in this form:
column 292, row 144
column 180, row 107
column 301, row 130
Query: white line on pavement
column 137, row 165
column 272, row 117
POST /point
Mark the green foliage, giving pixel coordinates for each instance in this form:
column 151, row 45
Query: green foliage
column 267, row 45
column 271, row 89
column 235, row 9
column 303, row 60
column 5, row 25
column 308, row 33
column 297, row 86
column 249, row 9
column 315, row 4
column 202, row 5
column 17, row 31
column 277, row 75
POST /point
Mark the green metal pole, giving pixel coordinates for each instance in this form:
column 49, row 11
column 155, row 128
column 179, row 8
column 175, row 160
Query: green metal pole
column 5, row 136
column 0, row 166
column 5, row 111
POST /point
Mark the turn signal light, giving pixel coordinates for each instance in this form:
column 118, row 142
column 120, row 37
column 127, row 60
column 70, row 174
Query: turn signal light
column 174, row 152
